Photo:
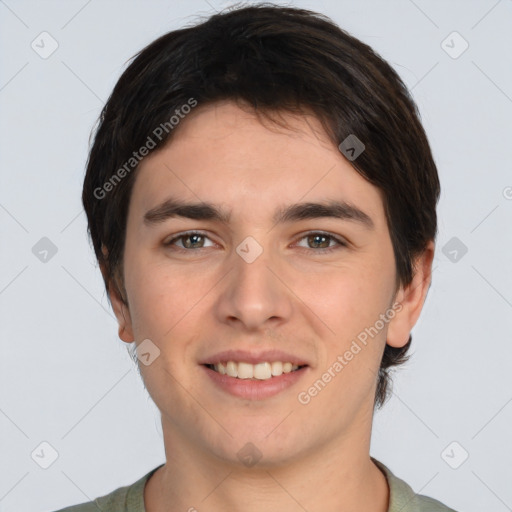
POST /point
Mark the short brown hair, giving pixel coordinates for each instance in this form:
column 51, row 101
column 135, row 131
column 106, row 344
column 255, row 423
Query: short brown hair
column 274, row 59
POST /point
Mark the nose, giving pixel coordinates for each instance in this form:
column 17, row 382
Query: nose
column 254, row 295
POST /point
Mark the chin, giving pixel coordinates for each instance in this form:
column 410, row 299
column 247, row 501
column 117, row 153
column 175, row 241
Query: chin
column 259, row 445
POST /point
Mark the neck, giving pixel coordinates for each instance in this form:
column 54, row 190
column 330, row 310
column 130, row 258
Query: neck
column 337, row 477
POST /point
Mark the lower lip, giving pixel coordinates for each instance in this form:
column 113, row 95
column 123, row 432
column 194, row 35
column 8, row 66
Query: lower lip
column 253, row 389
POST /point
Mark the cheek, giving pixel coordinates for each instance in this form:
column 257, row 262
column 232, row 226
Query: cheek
column 160, row 299
column 350, row 298
column 350, row 303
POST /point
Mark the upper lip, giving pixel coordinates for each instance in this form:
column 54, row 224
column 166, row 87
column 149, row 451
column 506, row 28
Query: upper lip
column 254, row 357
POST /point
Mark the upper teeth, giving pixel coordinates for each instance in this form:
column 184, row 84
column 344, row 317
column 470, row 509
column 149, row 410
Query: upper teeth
column 261, row 371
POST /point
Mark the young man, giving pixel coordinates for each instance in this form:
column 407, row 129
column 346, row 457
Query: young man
column 262, row 199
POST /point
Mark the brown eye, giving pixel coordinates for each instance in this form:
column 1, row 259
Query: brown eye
column 324, row 242
column 319, row 241
column 190, row 240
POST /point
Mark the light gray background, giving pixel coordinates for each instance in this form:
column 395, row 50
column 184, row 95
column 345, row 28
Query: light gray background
column 67, row 380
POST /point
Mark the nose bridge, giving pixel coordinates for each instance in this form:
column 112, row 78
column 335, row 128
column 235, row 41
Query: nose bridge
column 252, row 276
column 252, row 294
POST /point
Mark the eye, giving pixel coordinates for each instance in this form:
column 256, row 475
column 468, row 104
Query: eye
column 317, row 240
column 325, row 242
column 189, row 240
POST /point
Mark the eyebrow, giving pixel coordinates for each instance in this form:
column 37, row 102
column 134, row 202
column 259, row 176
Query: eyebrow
column 295, row 212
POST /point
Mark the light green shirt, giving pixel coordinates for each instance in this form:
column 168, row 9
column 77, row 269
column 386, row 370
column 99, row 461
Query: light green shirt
column 131, row 497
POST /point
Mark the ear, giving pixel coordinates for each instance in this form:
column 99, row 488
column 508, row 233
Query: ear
column 119, row 305
column 411, row 298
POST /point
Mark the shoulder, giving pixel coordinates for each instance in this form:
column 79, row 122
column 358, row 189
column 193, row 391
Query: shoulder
column 129, row 498
column 403, row 498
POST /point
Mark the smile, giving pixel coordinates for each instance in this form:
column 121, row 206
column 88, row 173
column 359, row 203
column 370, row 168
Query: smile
column 257, row 381
column 259, row 371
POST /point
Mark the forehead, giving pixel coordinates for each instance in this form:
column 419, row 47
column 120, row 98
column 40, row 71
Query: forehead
column 227, row 155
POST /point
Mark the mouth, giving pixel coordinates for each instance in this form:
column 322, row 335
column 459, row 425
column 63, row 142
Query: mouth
column 257, row 372
column 255, row 378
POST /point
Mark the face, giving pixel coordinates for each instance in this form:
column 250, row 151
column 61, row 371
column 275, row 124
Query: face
column 253, row 249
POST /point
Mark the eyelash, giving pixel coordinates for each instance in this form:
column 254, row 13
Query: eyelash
column 340, row 243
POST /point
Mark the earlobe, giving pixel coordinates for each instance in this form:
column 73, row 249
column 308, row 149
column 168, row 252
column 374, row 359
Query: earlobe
column 124, row 321
column 122, row 313
column 411, row 299
column 119, row 305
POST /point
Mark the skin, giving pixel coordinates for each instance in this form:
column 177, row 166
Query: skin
column 295, row 296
